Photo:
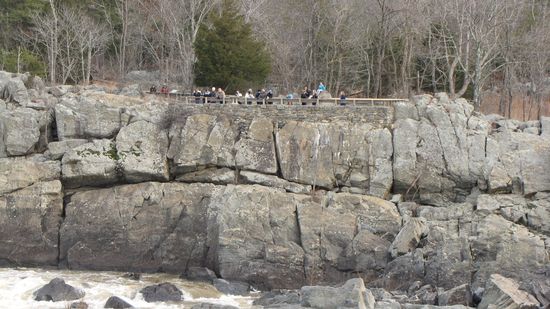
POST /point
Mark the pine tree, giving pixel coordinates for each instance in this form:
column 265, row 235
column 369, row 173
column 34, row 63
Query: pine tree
column 228, row 56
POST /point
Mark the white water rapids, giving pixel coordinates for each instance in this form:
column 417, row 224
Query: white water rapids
column 17, row 287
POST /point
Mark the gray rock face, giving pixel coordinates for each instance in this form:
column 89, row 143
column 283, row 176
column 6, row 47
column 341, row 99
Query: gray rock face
column 29, row 224
column 256, row 150
column 19, row 173
column 99, row 115
column 163, row 292
column 56, row 150
column 442, row 151
column 218, row 176
column 12, row 88
column 20, row 131
column 249, row 200
column 518, row 249
column 351, row 234
column 58, row 290
column 91, row 164
column 350, row 295
column 131, row 91
column 232, row 287
column 142, row 227
column 336, row 155
column 272, row 182
column 141, row 148
column 409, row 237
column 278, row 298
column 504, row 293
column 82, row 117
column 517, row 170
column 247, row 253
column 203, row 141
column 460, row 295
column 199, row 274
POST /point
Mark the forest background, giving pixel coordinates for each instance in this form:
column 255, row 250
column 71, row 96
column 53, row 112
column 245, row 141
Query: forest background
column 494, row 52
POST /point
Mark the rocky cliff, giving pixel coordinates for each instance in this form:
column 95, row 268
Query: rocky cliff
column 420, row 195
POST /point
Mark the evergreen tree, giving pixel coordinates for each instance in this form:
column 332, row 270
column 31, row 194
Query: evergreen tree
column 228, row 55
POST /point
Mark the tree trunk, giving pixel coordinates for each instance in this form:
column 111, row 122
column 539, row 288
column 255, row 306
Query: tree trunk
column 477, row 80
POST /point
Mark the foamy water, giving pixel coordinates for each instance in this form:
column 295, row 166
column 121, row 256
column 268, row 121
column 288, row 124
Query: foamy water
column 17, row 287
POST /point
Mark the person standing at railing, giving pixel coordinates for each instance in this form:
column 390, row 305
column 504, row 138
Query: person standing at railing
column 249, row 96
column 262, row 96
column 197, row 94
column 269, row 96
column 343, row 98
column 306, row 94
column 164, row 90
column 220, row 95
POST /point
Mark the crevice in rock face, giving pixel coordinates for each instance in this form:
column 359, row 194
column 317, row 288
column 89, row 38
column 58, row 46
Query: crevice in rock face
column 62, row 263
column 51, row 129
column 279, row 172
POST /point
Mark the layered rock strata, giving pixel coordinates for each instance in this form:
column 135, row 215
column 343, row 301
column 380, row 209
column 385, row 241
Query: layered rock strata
column 424, row 197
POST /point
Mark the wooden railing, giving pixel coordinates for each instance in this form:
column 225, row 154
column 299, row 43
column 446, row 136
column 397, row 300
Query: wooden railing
column 189, row 99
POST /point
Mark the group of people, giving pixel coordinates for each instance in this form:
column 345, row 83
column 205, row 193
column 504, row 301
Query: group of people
column 164, row 89
column 218, row 94
column 308, row 94
column 260, row 95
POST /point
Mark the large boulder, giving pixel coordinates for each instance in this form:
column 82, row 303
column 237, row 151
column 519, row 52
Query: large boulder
column 504, row 293
column 253, row 236
column 117, row 303
column 231, row 287
column 203, row 141
column 345, row 233
column 78, row 117
column 352, row 294
column 13, row 89
column 141, row 148
column 91, row 164
column 20, row 131
column 163, row 292
column 409, row 237
column 58, row 290
column 518, row 162
column 517, row 248
column 95, row 115
column 337, row 154
column 18, row 173
column 140, row 227
column 29, row 224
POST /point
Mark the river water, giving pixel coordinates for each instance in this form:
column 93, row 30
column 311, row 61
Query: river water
column 17, row 287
